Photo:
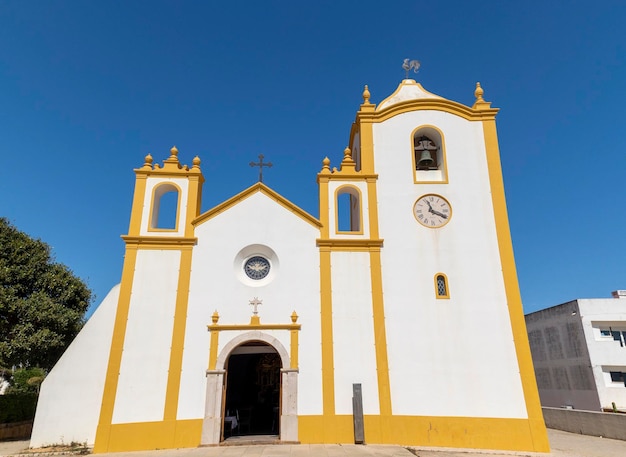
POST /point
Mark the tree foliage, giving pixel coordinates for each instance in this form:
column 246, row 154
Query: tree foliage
column 42, row 303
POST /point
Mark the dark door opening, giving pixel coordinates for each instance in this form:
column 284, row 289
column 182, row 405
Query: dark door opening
column 252, row 390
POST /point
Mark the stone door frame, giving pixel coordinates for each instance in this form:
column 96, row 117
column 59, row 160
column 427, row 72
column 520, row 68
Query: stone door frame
column 215, row 390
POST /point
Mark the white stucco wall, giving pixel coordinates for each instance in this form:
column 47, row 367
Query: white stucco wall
column 453, row 357
column 353, row 331
column 145, row 358
column 69, row 402
column 257, row 224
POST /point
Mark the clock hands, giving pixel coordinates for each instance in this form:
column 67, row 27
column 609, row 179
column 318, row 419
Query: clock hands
column 435, row 212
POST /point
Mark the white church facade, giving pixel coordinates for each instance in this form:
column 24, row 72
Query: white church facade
column 404, row 286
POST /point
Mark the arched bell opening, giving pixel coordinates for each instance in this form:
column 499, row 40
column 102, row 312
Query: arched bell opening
column 253, row 390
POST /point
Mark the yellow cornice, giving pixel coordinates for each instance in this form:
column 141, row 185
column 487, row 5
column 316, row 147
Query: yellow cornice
column 350, row 243
column 483, row 111
column 160, row 242
column 258, row 187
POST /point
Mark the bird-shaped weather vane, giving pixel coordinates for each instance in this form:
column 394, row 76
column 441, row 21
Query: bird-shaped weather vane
column 409, row 65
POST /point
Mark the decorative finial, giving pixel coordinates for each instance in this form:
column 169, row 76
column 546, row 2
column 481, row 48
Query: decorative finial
column 409, row 65
column 326, row 165
column 366, row 95
column 347, row 155
column 294, row 317
column 196, row 162
column 215, row 317
column 478, row 93
column 174, row 151
column 148, row 161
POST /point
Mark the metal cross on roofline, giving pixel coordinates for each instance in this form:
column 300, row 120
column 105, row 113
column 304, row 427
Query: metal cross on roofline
column 255, row 302
column 261, row 164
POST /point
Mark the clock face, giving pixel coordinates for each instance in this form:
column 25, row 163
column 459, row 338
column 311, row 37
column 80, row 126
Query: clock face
column 432, row 210
column 257, row 267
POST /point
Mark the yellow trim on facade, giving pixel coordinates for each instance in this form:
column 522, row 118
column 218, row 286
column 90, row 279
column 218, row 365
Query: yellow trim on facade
column 153, row 204
column 258, row 187
column 346, row 189
column 424, row 104
column 255, row 324
column 115, row 354
column 372, row 206
column 328, row 354
column 445, row 281
column 324, row 204
column 159, row 242
column 178, row 336
column 444, row 159
column 137, row 209
column 380, row 334
column 436, row 431
column 194, row 202
column 350, row 244
column 142, row 436
column 513, row 296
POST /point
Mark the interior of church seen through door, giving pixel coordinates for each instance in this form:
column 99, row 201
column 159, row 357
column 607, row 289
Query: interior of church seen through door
column 253, row 390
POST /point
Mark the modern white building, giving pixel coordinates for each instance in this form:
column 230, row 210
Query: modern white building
column 257, row 317
column 579, row 353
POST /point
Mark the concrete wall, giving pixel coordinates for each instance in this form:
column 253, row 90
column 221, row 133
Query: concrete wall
column 607, row 425
column 560, row 356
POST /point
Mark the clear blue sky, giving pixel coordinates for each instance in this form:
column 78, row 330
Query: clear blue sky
column 87, row 89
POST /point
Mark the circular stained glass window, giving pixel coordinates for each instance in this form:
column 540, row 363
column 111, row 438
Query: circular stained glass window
column 257, row 267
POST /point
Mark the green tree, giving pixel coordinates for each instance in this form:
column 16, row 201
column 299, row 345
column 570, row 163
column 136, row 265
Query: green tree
column 42, row 303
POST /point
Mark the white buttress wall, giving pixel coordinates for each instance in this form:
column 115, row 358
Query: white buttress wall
column 69, row 402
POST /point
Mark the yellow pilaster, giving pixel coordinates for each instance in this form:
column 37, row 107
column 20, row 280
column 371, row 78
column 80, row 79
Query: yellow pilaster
column 533, row 406
column 178, row 336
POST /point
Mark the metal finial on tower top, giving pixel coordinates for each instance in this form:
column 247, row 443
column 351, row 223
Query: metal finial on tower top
column 409, row 65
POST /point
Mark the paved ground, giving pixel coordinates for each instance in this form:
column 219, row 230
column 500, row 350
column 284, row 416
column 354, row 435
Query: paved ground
column 563, row 444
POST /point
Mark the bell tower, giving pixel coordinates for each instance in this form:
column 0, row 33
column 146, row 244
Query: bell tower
column 152, row 309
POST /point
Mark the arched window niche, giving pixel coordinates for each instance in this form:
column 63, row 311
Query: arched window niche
column 348, row 210
column 165, row 204
column 442, row 289
column 428, row 155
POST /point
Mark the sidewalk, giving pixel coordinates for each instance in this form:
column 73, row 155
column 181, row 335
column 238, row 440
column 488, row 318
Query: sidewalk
column 563, row 444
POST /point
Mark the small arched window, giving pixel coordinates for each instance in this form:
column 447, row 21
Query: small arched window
column 441, row 286
column 348, row 201
column 164, row 212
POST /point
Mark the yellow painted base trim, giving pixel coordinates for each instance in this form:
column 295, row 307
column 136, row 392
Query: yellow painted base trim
column 451, row 432
column 152, row 435
column 455, row 432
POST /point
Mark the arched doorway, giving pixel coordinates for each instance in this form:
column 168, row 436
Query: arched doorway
column 252, row 390
column 217, row 382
